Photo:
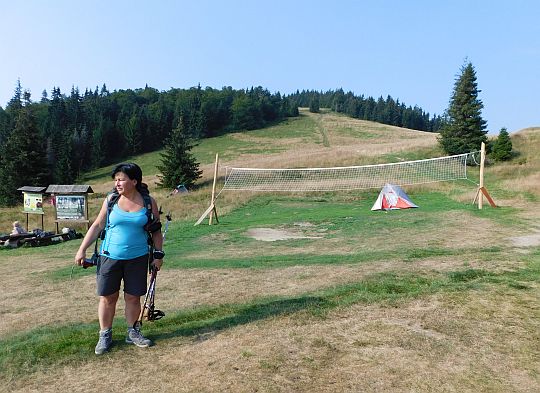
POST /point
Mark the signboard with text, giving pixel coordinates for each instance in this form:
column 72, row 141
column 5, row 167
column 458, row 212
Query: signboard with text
column 33, row 203
column 70, row 207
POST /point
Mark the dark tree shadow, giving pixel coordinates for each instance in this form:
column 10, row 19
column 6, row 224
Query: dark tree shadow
column 184, row 324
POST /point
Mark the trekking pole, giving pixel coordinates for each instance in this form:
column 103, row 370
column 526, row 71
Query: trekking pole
column 169, row 219
column 138, row 323
column 148, row 306
column 151, row 313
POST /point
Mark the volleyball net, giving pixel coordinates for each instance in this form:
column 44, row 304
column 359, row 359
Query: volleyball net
column 348, row 178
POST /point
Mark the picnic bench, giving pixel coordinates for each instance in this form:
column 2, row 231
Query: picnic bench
column 15, row 241
column 40, row 239
column 45, row 240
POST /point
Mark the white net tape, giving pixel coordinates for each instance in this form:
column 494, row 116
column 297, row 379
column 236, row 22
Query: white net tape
column 347, row 178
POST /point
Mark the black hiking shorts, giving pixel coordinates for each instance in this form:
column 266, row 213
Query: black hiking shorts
column 111, row 272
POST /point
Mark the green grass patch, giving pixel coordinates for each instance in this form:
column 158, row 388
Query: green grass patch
column 231, row 146
column 148, row 163
column 344, row 222
column 356, row 133
column 429, row 252
column 302, row 127
column 54, row 251
column 468, row 275
column 31, row 350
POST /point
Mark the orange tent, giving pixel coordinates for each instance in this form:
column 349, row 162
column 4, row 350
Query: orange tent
column 392, row 197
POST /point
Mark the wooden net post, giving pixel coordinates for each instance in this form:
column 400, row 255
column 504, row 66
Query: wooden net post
column 481, row 185
column 482, row 191
column 213, row 211
column 212, row 208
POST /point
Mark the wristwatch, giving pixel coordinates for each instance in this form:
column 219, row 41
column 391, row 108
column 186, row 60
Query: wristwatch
column 158, row 254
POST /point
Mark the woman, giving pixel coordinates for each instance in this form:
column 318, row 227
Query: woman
column 17, row 229
column 124, row 253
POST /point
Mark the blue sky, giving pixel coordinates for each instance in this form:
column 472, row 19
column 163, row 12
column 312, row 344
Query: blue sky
column 410, row 50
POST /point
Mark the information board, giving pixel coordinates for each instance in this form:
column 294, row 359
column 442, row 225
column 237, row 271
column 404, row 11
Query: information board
column 70, row 207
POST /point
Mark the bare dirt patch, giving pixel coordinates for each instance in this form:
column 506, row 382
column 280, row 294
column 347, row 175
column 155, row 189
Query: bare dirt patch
column 530, row 240
column 272, row 235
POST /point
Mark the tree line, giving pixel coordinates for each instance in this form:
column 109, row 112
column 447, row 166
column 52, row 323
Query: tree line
column 62, row 135
column 387, row 111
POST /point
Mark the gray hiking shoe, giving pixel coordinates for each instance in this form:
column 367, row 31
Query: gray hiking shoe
column 134, row 336
column 104, row 342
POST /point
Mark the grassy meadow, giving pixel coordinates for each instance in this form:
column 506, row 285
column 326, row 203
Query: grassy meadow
column 443, row 298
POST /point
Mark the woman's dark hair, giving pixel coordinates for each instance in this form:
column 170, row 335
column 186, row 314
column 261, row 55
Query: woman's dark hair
column 134, row 172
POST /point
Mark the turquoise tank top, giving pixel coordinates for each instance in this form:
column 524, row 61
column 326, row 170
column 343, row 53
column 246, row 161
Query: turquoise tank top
column 125, row 237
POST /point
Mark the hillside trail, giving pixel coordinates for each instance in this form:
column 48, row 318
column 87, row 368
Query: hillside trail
column 340, row 141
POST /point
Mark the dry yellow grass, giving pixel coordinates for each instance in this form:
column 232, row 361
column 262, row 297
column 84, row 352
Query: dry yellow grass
column 343, row 147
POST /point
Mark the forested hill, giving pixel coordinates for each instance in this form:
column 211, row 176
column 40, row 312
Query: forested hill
column 64, row 135
column 83, row 131
column 386, row 111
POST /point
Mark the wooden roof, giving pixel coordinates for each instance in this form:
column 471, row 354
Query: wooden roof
column 32, row 189
column 69, row 189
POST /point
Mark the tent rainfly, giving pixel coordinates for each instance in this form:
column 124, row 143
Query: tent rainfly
column 392, row 197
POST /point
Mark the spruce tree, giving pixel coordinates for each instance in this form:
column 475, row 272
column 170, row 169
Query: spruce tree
column 4, row 127
column 133, row 132
column 465, row 129
column 59, row 147
column 178, row 165
column 15, row 104
column 23, row 162
column 314, row 104
column 13, row 108
column 44, row 97
column 502, row 148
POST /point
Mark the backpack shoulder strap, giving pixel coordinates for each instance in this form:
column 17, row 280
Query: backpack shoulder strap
column 112, row 199
column 148, row 204
column 152, row 224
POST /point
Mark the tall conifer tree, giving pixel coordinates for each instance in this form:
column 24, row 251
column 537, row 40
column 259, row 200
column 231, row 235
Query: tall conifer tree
column 178, row 165
column 4, row 130
column 23, row 162
column 59, row 148
column 314, row 105
column 502, row 148
column 465, row 129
